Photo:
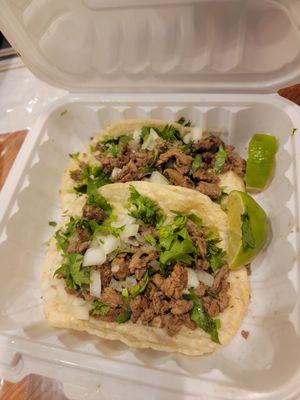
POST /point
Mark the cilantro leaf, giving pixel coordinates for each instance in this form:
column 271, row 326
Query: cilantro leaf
column 182, row 121
column 145, row 132
column 146, row 209
column 169, row 132
column 294, row 130
column 215, row 255
column 97, row 200
column 99, row 308
column 141, row 286
column 93, row 177
column 151, row 240
column 113, row 144
column 196, row 164
column 52, row 223
column 202, row 319
column 247, row 235
column 180, row 251
column 74, row 275
column 220, row 160
column 123, row 317
column 194, row 218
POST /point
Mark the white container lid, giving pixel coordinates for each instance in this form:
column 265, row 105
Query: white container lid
column 150, row 45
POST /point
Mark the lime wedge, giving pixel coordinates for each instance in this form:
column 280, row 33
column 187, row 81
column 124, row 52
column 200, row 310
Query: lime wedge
column 248, row 228
column 261, row 160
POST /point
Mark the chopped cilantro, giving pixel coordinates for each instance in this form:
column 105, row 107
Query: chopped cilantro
column 97, row 200
column 113, row 144
column 215, row 255
column 182, row 121
column 63, row 112
column 151, row 240
column 294, row 131
column 110, row 229
column 74, row 275
column 180, row 251
column 93, row 177
column 146, row 209
column 99, row 308
column 123, row 317
column 74, row 156
column 196, row 164
column 169, row 132
column 202, row 319
column 220, row 160
column 145, row 132
column 194, row 218
column 247, row 235
column 140, row 287
column 52, row 223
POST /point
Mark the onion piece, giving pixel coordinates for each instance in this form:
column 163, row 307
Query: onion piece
column 193, row 280
column 117, row 285
column 110, row 243
column 150, row 141
column 115, row 172
column 123, row 220
column 130, row 282
column 194, row 135
column 95, row 285
column 136, row 135
column 205, row 277
column 94, row 256
column 157, row 177
column 129, row 231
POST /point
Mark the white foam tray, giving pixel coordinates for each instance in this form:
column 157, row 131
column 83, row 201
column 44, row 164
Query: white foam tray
column 266, row 366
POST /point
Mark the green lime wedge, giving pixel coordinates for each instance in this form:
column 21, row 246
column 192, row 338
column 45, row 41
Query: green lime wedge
column 248, row 229
column 261, row 160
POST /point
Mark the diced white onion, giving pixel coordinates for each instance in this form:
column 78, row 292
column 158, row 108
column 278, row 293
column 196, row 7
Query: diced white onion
column 194, row 135
column 115, row 172
column 150, row 141
column 94, row 256
column 117, row 285
column 136, row 135
column 115, row 268
column 193, row 280
column 205, row 277
column 157, row 177
column 95, row 285
column 129, row 231
column 130, row 282
column 123, row 220
column 110, row 243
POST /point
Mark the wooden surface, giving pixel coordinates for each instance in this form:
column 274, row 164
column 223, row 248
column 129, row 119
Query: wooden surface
column 35, row 387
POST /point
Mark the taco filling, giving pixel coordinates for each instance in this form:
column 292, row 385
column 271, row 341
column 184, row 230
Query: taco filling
column 154, row 151
column 143, row 266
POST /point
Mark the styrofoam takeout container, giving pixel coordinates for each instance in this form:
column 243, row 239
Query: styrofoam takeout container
column 240, row 52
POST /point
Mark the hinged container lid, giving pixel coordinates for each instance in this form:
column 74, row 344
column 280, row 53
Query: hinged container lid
column 152, row 45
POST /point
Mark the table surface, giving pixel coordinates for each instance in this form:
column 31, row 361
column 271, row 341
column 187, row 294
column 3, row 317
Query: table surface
column 36, row 387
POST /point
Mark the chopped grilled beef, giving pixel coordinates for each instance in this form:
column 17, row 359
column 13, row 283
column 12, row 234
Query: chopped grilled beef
column 92, row 212
column 201, row 290
column 140, row 260
column 110, row 316
column 210, row 189
column 178, row 178
column 181, row 307
column 159, row 304
column 175, row 159
column 215, row 305
column 221, row 275
column 147, row 316
column 202, row 264
column 207, row 144
column 245, row 334
column 137, row 305
column 111, row 297
column 175, row 283
column 234, row 162
column 80, row 244
column 120, row 266
column 174, row 323
column 207, row 176
column 106, row 274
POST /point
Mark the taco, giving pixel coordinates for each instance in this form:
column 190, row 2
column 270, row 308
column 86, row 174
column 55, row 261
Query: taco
column 159, row 152
column 145, row 264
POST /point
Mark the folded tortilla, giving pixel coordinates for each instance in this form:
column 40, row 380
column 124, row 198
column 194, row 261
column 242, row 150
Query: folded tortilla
column 229, row 180
column 67, row 311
